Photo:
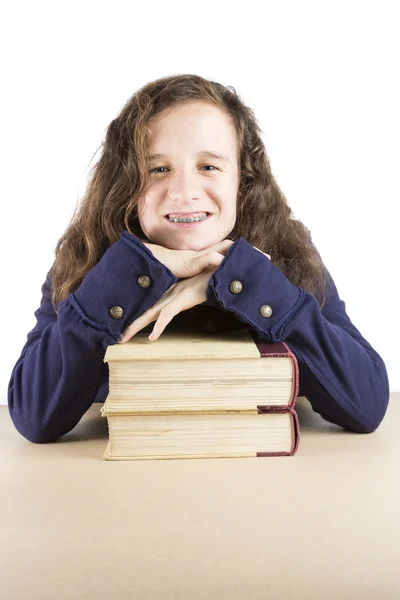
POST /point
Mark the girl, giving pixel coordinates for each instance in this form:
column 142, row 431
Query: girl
column 174, row 230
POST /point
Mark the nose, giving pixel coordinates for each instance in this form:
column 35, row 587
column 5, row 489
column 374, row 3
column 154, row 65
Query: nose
column 183, row 185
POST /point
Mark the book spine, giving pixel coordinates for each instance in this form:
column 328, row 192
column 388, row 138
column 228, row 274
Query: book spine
column 294, row 421
column 280, row 350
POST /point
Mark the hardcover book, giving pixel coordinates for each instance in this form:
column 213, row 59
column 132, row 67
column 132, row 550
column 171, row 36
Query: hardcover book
column 200, row 395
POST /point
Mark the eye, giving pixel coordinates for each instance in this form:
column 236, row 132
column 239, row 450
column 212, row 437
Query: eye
column 155, row 168
column 210, row 166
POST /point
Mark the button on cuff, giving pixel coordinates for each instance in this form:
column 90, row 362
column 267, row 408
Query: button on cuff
column 265, row 311
column 144, row 281
column 116, row 312
column 235, row 286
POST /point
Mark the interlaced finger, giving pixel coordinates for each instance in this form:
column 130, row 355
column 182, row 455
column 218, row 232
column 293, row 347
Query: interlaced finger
column 178, row 303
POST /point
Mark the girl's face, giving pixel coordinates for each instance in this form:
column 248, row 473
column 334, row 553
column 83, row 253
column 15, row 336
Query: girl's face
column 186, row 178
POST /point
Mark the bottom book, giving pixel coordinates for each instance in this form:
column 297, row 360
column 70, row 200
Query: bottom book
column 221, row 435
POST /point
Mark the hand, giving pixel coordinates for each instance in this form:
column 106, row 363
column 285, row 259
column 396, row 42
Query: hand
column 182, row 295
column 187, row 263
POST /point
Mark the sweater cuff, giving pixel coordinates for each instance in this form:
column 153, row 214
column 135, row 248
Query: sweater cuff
column 126, row 281
column 267, row 300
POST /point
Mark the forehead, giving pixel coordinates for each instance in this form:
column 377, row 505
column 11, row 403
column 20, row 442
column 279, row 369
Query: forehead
column 192, row 114
column 191, row 123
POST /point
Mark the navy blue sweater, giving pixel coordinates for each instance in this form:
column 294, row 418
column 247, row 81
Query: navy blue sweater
column 61, row 371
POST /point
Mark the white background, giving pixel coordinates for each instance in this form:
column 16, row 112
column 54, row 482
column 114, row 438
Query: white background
column 322, row 78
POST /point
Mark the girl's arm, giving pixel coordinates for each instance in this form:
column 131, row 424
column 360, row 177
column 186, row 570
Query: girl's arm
column 341, row 375
column 61, row 367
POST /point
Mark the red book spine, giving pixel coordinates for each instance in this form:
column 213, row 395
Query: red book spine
column 281, row 349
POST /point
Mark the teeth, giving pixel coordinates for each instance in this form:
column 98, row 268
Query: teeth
column 187, row 219
column 187, row 215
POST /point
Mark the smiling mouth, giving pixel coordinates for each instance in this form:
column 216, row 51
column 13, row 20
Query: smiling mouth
column 187, row 219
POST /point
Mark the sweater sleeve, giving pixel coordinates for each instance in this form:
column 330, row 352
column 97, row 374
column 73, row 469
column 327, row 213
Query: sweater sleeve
column 342, row 376
column 61, row 366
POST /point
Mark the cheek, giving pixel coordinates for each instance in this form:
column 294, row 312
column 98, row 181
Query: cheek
column 145, row 211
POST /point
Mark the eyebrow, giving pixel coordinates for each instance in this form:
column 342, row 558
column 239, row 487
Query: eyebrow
column 215, row 155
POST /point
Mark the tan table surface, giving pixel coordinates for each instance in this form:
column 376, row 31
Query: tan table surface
column 322, row 524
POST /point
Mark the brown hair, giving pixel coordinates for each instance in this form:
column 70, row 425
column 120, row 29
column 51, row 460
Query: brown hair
column 120, row 177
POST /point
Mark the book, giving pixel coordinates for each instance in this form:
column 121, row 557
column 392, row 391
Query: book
column 193, row 394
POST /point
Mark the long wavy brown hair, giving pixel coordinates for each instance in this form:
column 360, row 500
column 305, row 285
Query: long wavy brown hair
column 120, row 177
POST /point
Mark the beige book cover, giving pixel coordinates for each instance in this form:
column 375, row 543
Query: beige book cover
column 185, row 345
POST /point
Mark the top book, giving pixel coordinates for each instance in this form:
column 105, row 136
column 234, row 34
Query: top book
column 200, row 371
column 187, row 346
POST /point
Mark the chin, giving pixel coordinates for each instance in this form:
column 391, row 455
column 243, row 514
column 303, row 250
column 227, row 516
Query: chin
column 182, row 245
column 196, row 245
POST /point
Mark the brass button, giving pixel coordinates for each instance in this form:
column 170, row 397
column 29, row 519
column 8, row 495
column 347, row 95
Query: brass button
column 235, row 286
column 116, row 312
column 265, row 310
column 144, row 281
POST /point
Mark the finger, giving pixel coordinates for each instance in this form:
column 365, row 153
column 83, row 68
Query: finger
column 215, row 258
column 150, row 315
column 199, row 263
column 267, row 255
column 221, row 247
column 166, row 315
column 182, row 301
column 147, row 317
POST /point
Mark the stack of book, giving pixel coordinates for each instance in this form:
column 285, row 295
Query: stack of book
column 201, row 395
